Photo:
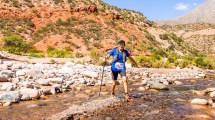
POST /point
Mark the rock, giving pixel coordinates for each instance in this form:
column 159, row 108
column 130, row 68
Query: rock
column 144, row 82
column 32, row 93
column 88, row 92
column 56, row 80
column 3, row 78
column 27, row 84
column 6, row 104
column 193, row 81
column 166, row 82
column 46, row 90
column 15, row 80
column 3, row 67
column 158, row 86
column 8, row 63
column 82, row 81
column 90, row 74
column 104, row 93
column 25, row 97
column 43, row 82
column 210, row 90
column 20, row 73
column 7, row 73
column 199, row 101
column 178, row 82
column 202, row 75
column 7, row 86
column 199, row 93
column 213, row 105
column 9, row 96
column 102, row 83
column 212, row 95
column 141, row 89
column 153, row 90
column 108, row 118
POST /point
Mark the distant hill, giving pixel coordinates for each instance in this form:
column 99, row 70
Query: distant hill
column 204, row 13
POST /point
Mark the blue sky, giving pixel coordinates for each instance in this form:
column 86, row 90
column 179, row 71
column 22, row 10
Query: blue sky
column 158, row 9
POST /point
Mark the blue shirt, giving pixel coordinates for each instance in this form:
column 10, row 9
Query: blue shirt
column 112, row 53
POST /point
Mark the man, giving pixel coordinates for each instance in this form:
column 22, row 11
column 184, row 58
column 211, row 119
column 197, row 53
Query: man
column 119, row 55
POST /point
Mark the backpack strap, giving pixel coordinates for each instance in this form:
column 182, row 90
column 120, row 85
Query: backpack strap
column 117, row 54
column 123, row 57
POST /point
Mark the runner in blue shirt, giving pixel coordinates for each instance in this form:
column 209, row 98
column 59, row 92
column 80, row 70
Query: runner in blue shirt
column 119, row 55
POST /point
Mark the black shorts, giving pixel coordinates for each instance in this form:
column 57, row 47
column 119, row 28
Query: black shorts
column 115, row 74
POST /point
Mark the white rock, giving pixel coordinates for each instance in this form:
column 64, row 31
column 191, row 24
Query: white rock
column 7, row 86
column 46, row 90
column 56, row 80
column 144, row 82
column 30, row 92
column 141, row 89
column 8, row 73
column 210, row 89
column 82, row 81
column 9, row 96
column 166, row 82
column 44, row 82
column 27, row 84
column 20, row 73
column 213, row 105
column 178, row 82
column 3, row 67
column 199, row 101
column 212, row 94
column 90, row 74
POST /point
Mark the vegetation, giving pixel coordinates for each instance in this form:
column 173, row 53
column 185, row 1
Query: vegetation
column 15, row 44
column 52, row 52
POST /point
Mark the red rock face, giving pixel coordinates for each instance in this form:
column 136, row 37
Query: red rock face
column 91, row 8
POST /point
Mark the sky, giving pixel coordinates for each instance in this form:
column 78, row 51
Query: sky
column 158, row 9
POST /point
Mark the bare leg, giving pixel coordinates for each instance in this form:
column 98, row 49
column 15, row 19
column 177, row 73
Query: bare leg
column 113, row 88
column 125, row 83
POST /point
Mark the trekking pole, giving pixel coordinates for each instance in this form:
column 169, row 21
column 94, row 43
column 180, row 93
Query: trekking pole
column 102, row 77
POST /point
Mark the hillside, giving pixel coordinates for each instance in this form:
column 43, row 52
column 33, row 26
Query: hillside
column 80, row 28
column 204, row 13
column 200, row 36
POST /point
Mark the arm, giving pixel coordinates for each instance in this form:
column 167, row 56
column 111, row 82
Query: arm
column 106, row 57
column 132, row 60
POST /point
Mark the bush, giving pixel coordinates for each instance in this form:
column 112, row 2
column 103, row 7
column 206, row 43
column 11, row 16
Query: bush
column 95, row 54
column 15, row 44
column 36, row 55
column 143, row 61
column 97, row 45
column 79, row 55
column 52, row 52
column 164, row 36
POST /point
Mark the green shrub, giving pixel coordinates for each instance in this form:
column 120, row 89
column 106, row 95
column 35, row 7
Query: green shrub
column 95, row 54
column 15, row 44
column 36, row 55
column 52, row 52
column 158, row 64
column 79, row 55
column 143, row 61
column 164, row 36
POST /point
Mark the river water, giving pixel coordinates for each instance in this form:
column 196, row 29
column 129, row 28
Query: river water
column 149, row 105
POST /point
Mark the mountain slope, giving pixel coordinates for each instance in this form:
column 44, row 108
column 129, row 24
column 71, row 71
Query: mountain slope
column 204, row 13
column 82, row 26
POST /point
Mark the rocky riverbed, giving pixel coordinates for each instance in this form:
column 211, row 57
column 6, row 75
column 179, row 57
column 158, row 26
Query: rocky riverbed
column 70, row 91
